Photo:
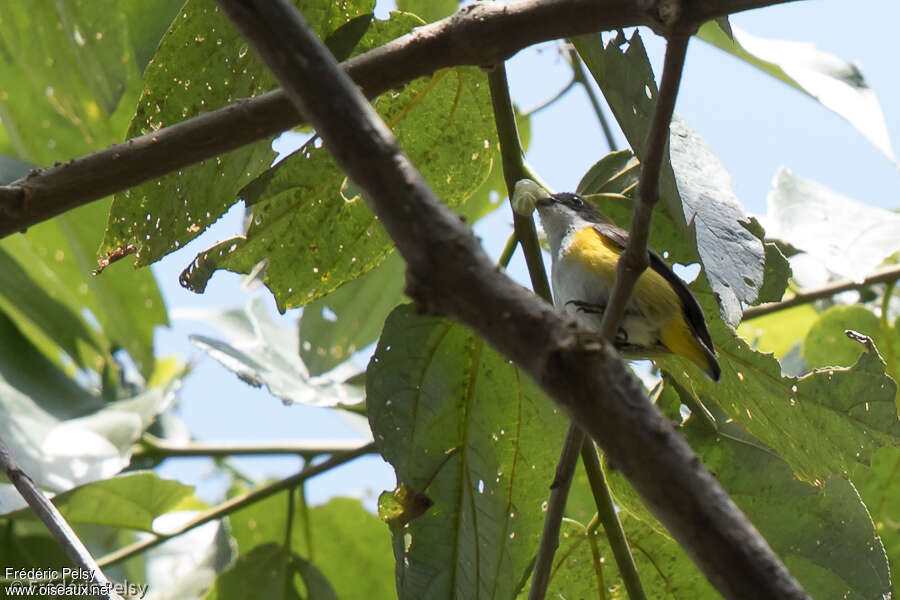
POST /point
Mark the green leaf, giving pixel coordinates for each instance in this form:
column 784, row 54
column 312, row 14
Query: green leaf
column 92, row 52
column 779, row 332
column 879, row 486
column 58, row 256
column 823, row 533
column 776, row 276
column 849, row 238
column 355, row 317
column 261, row 351
column 695, row 188
column 584, row 566
column 308, row 222
column 202, row 64
column 61, row 434
column 131, row 501
column 826, row 423
column 265, row 572
column 837, row 84
column 350, row 546
column 429, row 10
column 616, row 173
column 460, row 423
column 827, row 346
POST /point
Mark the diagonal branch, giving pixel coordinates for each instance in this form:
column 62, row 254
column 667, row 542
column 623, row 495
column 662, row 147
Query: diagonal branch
column 57, row 525
column 448, row 273
column 481, row 34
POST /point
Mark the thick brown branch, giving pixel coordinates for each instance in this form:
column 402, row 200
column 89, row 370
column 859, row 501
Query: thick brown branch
column 56, row 524
column 481, row 34
column 449, row 273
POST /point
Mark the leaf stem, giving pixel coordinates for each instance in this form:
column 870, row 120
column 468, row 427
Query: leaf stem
column 884, row 275
column 60, row 529
column 559, row 493
column 237, row 503
column 606, row 512
column 513, row 171
column 581, row 77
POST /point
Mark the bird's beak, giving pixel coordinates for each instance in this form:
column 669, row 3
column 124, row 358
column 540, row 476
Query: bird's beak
column 545, row 201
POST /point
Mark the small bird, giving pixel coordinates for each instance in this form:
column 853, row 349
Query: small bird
column 662, row 316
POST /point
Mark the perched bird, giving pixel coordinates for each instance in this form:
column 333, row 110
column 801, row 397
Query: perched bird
column 662, row 315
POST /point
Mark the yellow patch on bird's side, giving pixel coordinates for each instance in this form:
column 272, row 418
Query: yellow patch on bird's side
column 653, row 295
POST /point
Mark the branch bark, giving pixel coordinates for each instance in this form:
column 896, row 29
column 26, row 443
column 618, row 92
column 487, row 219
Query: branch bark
column 481, row 34
column 884, row 275
column 59, row 528
column 448, row 273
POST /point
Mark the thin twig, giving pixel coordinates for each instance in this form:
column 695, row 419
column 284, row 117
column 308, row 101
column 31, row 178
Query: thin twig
column 606, row 512
column 884, row 275
column 482, row 34
column 154, row 447
column 582, row 78
column 634, row 258
column 545, row 103
column 58, row 526
column 237, row 503
column 559, row 494
column 513, row 171
column 448, row 273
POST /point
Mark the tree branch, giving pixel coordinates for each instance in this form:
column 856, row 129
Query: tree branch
column 884, row 275
column 154, row 447
column 481, row 34
column 448, row 273
column 57, row 525
column 237, row 503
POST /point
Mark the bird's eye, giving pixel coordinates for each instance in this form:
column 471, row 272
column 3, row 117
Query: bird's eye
column 577, row 201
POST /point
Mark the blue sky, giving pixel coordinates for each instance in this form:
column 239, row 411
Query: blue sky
column 754, row 123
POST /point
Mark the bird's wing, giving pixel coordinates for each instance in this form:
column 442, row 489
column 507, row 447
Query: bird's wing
column 692, row 311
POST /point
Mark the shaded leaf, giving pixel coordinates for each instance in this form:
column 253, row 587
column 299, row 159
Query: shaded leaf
column 58, row 255
column 131, row 501
column 267, row 571
column 351, row 317
column 433, row 387
column 695, row 188
column 837, row 84
column 350, row 546
column 879, row 486
column 73, row 69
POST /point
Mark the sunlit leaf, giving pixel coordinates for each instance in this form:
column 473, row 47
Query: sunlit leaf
column 837, row 84
column 262, row 351
column 851, row 239
column 202, row 64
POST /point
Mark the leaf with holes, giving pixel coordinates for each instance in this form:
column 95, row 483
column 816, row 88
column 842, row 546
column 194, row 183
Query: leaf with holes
column 695, row 188
column 822, row 532
column 202, row 64
column 825, row 423
column 463, row 425
column 93, row 53
column 309, row 223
